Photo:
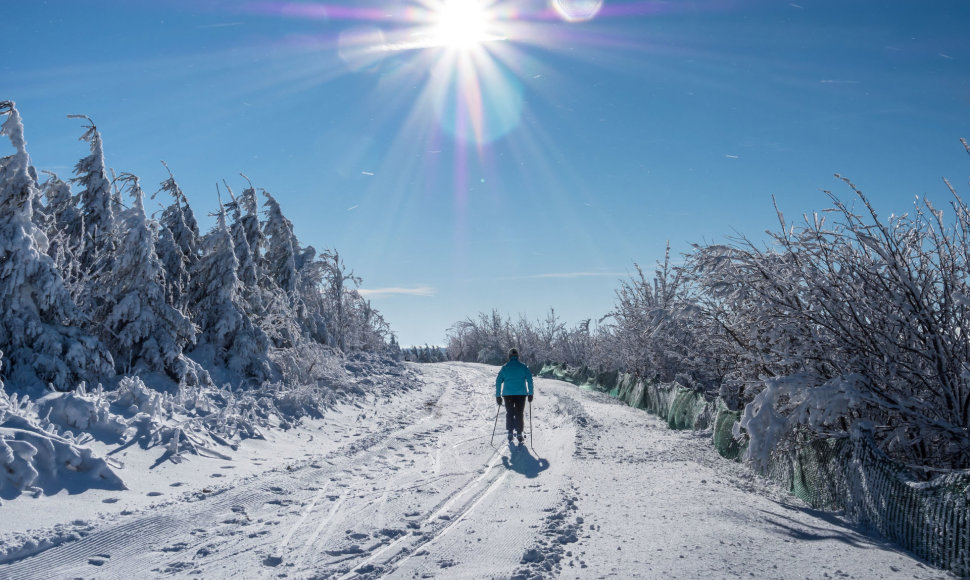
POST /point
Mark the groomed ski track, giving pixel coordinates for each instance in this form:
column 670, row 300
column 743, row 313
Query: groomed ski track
column 410, row 487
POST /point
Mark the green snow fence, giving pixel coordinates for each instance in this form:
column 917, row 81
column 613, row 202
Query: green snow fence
column 931, row 519
column 689, row 410
column 682, row 408
column 725, row 443
column 813, row 471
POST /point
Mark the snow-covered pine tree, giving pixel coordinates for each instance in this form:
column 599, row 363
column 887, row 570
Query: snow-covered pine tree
column 269, row 307
column 281, row 246
column 234, row 340
column 250, row 222
column 178, row 244
column 64, row 226
column 97, row 205
column 247, row 272
column 143, row 331
column 277, row 318
column 176, row 269
column 286, row 310
column 39, row 337
column 309, row 302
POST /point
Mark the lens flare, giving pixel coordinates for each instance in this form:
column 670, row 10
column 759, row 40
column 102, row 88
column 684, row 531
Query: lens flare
column 479, row 103
column 361, row 48
column 577, row 10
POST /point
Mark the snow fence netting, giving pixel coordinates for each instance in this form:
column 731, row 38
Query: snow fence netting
column 850, row 474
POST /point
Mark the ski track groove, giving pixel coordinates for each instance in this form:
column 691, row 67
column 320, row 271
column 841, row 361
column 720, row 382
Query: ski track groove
column 306, row 514
column 423, row 541
column 324, row 523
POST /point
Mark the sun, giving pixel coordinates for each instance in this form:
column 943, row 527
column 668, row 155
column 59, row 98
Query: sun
column 461, row 24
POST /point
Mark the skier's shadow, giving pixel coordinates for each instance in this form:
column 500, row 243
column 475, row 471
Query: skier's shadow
column 522, row 461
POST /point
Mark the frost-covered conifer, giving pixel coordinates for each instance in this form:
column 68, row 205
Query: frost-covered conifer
column 178, row 244
column 270, row 308
column 176, row 269
column 180, row 219
column 64, row 225
column 287, row 309
column 40, row 341
column 247, row 273
column 235, row 341
column 97, row 205
column 144, row 332
column 250, row 223
column 281, row 246
column 309, row 301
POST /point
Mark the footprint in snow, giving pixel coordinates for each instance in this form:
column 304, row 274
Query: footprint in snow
column 153, row 493
column 99, row 559
column 110, row 500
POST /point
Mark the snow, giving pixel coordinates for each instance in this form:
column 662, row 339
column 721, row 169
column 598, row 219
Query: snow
column 403, row 484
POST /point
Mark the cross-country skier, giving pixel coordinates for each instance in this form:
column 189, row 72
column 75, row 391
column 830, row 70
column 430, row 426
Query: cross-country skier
column 514, row 382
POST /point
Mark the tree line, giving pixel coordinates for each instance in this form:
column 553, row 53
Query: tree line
column 92, row 287
column 841, row 322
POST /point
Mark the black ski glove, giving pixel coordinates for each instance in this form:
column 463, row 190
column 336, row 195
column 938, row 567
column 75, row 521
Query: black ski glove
column 530, row 398
column 498, row 401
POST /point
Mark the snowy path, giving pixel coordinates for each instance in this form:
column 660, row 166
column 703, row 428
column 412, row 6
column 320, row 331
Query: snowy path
column 411, row 488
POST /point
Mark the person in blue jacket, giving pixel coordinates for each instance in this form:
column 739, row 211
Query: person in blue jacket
column 514, row 383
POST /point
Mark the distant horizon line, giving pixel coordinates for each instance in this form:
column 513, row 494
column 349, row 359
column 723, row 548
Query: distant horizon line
column 561, row 275
column 397, row 291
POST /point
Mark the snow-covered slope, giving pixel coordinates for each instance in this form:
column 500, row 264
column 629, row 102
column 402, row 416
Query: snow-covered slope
column 409, row 486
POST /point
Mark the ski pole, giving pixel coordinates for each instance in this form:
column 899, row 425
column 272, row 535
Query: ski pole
column 530, row 425
column 494, row 427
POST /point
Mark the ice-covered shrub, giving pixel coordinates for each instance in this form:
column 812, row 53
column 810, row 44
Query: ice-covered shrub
column 850, row 317
column 81, row 412
column 656, row 332
column 788, row 403
column 35, row 457
column 196, row 419
column 488, row 338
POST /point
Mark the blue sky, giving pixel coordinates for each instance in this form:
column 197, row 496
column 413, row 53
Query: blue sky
column 522, row 164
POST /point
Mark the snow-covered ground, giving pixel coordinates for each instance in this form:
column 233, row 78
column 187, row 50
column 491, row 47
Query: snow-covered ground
column 409, row 486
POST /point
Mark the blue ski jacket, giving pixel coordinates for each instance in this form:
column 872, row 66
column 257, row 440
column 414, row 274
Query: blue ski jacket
column 516, row 377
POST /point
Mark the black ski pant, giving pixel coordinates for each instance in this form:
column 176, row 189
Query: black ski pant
column 514, row 413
